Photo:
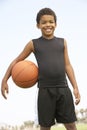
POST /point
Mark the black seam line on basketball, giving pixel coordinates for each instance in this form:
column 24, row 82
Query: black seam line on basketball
column 19, row 74
column 23, row 69
column 25, row 81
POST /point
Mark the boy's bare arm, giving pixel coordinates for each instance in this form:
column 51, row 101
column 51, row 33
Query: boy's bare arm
column 24, row 54
column 71, row 75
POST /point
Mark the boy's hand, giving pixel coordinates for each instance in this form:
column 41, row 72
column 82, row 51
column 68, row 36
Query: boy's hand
column 4, row 89
column 77, row 96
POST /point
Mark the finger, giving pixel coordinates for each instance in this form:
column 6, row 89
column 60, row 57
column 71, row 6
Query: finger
column 3, row 94
column 77, row 101
column 7, row 91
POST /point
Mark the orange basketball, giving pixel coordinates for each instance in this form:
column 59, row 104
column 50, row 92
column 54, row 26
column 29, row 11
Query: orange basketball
column 25, row 74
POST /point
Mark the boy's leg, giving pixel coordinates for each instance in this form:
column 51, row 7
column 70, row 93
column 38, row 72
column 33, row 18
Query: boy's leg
column 44, row 128
column 70, row 126
column 46, row 107
column 66, row 110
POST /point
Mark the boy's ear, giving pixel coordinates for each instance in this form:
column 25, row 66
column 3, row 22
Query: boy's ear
column 38, row 26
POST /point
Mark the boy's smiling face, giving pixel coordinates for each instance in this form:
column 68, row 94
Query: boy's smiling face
column 47, row 25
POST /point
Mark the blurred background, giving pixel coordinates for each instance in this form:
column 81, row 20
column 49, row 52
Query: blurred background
column 17, row 27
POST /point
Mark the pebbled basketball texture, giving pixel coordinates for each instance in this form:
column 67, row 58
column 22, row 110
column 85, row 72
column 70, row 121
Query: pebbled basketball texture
column 25, row 74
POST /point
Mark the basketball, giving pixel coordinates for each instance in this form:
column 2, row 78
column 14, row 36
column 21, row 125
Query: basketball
column 25, row 74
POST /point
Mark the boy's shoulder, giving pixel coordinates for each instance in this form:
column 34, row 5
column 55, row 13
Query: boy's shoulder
column 59, row 38
column 36, row 38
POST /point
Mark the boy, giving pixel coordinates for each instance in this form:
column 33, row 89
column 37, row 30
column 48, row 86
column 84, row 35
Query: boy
column 55, row 100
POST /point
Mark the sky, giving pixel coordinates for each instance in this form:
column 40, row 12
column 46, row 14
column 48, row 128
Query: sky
column 17, row 27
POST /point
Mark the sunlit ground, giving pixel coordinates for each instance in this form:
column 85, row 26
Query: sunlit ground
column 79, row 127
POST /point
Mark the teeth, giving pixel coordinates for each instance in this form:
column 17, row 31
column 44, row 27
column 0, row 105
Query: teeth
column 48, row 29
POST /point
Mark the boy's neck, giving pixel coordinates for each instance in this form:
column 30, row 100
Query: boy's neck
column 48, row 37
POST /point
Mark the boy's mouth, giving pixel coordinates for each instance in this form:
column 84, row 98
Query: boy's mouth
column 48, row 30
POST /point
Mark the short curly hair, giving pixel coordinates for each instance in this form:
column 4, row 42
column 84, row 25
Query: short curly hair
column 45, row 11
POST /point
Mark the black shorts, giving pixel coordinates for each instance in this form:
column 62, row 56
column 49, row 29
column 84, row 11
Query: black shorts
column 55, row 104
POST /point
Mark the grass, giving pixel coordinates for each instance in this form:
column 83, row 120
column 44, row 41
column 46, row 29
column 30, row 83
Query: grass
column 79, row 127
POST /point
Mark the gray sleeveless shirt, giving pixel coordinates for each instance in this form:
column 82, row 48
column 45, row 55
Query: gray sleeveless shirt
column 49, row 54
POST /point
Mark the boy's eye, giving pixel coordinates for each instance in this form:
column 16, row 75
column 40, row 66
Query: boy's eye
column 44, row 22
column 51, row 21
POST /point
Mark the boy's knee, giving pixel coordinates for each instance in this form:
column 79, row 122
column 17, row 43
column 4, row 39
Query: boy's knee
column 70, row 126
column 44, row 128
